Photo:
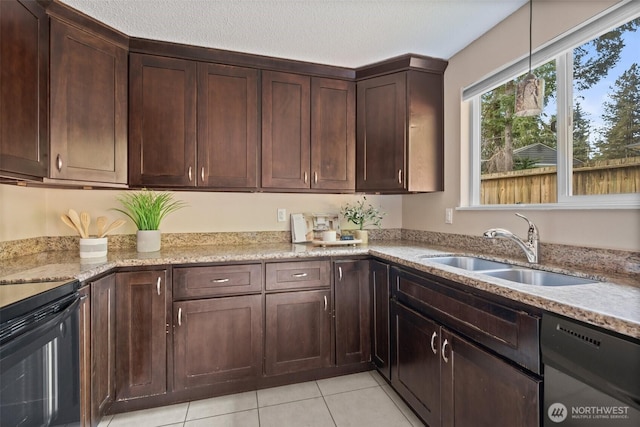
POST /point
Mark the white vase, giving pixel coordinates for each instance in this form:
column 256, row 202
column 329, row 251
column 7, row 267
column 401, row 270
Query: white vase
column 361, row 235
column 148, row 240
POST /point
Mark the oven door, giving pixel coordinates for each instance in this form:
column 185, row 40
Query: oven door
column 39, row 368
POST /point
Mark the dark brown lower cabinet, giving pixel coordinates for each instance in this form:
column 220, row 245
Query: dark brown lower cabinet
column 85, row 356
column 297, row 331
column 450, row 382
column 216, row 340
column 141, row 337
column 352, row 311
column 103, row 345
column 380, row 295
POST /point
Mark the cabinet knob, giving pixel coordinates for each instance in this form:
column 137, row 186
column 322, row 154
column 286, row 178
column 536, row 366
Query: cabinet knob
column 325, row 303
column 339, row 273
column 180, row 316
column 444, row 348
column 190, row 172
column 202, row 174
column 59, row 163
column 306, row 177
column 158, row 285
column 299, row 275
column 219, row 280
column 433, row 341
column 399, row 176
column 315, row 177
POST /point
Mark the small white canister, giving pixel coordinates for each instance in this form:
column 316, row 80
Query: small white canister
column 329, row 236
column 93, row 247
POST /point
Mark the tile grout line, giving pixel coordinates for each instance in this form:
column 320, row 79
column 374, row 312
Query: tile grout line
column 399, row 408
column 333, row 420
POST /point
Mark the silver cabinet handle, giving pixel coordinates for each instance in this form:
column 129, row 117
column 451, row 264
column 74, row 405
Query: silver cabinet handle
column 399, row 176
column 444, row 347
column 300, row 275
column 339, row 273
column 219, row 280
column 315, row 177
column 433, row 339
column 325, row 303
column 59, row 163
column 158, row 284
column 202, row 174
column 180, row 316
column 306, row 177
column 190, row 173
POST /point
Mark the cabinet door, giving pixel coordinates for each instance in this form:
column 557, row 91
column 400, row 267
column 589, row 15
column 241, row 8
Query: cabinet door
column 381, row 122
column 415, row 372
column 333, row 136
column 103, row 346
column 297, row 331
column 85, row 356
column 216, row 340
column 162, row 122
column 88, row 107
column 352, row 312
column 380, row 295
column 24, row 88
column 228, row 129
column 482, row 390
column 141, row 336
column 285, row 130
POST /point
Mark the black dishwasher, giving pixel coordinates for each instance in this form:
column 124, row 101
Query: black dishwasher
column 591, row 376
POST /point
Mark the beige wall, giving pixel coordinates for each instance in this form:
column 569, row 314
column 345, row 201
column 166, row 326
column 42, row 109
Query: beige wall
column 32, row 212
column 505, row 43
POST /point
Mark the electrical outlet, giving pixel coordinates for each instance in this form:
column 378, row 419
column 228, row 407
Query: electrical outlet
column 282, row 215
column 448, row 216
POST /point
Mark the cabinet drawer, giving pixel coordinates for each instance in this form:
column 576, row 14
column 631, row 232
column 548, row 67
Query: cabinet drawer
column 507, row 331
column 297, row 275
column 202, row 282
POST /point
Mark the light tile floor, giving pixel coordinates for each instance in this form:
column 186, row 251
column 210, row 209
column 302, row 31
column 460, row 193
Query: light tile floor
column 357, row 400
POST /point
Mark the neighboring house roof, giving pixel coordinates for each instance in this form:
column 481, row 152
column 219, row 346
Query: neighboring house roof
column 542, row 154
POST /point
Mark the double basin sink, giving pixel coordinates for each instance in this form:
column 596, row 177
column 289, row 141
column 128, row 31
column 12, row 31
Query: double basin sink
column 500, row 270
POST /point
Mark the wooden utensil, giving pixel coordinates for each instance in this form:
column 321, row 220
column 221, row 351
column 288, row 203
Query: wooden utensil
column 115, row 224
column 75, row 219
column 68, row 222
column 101, row 221
column 85, row 220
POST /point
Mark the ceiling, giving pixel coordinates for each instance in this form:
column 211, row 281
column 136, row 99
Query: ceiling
column 348, row 33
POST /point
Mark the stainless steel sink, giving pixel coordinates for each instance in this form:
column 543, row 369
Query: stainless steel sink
column 467, row 262
column 501, row 270
column 537, row 277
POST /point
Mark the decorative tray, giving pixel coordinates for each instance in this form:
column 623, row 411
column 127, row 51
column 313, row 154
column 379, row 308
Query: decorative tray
column 336, row 242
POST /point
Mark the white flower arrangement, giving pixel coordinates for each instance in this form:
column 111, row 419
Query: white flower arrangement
column 362, row 215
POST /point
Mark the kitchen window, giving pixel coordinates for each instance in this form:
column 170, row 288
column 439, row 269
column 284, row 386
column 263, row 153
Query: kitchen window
column 583, row 150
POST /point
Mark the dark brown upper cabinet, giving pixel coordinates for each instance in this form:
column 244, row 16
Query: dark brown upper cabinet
column 400, row 137
column 228, row 132
column 162, row 121
column 24, row 88
column 88, row 107
column 192, row 124
column 308, row 136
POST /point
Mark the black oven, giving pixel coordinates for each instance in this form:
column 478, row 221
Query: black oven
column 591, row 376
column 39, row 360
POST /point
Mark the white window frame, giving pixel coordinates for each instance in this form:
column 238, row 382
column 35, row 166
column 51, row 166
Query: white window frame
column 559, row 49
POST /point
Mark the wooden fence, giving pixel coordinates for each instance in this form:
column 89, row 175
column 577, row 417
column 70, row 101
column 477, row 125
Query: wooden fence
column 540, row 185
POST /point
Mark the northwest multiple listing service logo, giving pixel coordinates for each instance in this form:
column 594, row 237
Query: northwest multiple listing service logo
column 558, row 412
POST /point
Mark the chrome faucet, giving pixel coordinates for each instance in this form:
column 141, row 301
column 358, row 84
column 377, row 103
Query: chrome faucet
column 531, row 247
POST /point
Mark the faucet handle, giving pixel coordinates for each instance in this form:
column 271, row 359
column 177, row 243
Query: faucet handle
column 532, row 227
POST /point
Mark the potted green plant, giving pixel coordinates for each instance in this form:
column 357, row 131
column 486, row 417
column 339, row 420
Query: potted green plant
column 362, row 214
column 147, row 209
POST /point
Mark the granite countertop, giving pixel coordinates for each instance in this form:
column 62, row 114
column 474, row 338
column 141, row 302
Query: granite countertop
column 614, row 306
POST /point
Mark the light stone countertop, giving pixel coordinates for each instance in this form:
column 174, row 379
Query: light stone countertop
column 613, row 306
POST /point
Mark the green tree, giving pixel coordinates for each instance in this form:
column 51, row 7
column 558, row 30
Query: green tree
column 622, row 116
column 581, row 132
